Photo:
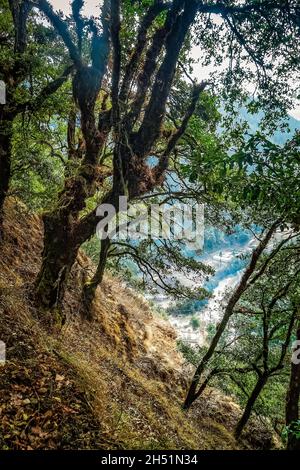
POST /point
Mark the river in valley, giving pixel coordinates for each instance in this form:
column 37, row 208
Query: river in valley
column 195, row 332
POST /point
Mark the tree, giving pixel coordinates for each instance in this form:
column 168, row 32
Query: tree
column 63, row 231
column 157, row 259
column 17, row 66
column 242, row 286
column 133, row 110
column 272, row 167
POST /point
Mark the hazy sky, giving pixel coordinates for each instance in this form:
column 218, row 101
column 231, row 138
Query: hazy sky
column 92, row 7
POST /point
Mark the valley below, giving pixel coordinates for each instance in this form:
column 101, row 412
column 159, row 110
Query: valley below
column 227, row 275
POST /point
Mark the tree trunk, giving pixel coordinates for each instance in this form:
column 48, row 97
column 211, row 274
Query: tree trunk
column 59, row 255
column 89, row 290
column 64, row 233
column 292, row 404
column 192, row 393
column 262, row 380
column 5, row 166
column 131, row 173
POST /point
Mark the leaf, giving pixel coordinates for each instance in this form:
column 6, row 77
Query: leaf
column 59, row 378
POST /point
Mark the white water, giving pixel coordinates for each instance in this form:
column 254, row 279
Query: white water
column 212, row 312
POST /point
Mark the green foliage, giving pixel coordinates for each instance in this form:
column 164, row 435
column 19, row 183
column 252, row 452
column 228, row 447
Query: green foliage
column 190, row 354
column 293, row 429
column 260, row 334
column 195, row 323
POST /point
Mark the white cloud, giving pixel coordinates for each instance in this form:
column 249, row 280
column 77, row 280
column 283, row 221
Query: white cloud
column 91, row 7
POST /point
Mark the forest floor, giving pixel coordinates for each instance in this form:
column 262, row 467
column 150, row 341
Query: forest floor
column 115, row 383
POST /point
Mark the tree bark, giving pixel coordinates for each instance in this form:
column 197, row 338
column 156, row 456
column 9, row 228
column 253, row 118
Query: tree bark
column 62, row 240
column 261, row 382
column 59, row 254
column 292, row 403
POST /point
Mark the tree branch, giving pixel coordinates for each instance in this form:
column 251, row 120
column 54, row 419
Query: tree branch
column 150, row 128
column 141, row 42
column 61, row 27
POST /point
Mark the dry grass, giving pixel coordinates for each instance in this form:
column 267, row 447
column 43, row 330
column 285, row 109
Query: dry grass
column 117, row 382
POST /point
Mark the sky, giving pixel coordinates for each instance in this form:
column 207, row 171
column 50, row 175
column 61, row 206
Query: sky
column 92, row 8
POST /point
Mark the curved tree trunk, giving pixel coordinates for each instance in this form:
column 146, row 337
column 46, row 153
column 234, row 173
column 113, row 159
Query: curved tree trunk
column 64, row 233
column 63, row 237
column 131, row 172
column 192, row 393
column 292, row 403
column 62, row 227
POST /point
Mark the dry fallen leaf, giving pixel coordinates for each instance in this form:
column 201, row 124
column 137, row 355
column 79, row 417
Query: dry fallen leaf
column 59, row 378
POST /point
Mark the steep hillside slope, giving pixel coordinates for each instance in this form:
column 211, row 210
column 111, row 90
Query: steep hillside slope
column 115, row 383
